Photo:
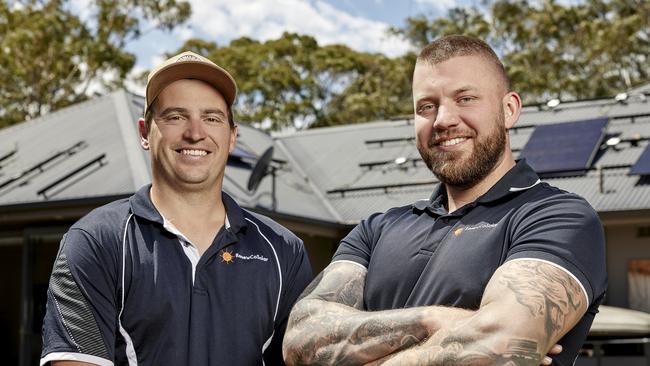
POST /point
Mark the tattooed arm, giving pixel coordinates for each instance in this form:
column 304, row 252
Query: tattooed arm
column 527, row 306
column 327, row 325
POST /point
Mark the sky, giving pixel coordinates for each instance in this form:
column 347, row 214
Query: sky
column 359, row 24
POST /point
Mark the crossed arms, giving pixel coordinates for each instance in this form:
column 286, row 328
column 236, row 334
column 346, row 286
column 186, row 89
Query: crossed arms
column 527, row 307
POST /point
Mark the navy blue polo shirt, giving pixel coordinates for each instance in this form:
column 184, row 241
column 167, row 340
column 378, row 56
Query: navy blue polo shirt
column 420, row 254
column 123, row 291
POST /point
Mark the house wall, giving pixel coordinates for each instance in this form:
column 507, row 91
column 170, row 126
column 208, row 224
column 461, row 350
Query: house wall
column 623, row 245
column 320, row 250
column 11, row 273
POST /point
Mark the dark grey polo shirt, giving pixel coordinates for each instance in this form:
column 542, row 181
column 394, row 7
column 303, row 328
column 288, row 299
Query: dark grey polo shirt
column 420, row 255
column 125, row 291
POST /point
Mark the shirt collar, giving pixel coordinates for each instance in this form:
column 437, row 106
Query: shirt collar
column 520, row 178
column 435, row 203
column 143, row 207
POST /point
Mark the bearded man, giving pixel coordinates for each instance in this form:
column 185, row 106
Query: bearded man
column 494, row 269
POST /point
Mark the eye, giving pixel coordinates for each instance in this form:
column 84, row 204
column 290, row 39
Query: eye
column 171, row 118
column 213, row 120
column 424, row 108
column 465, row 99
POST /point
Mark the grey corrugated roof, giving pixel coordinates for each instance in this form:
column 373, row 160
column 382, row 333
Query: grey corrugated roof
column 322, row 174
column 331, row 157
column 107, row 126
column 97, row 126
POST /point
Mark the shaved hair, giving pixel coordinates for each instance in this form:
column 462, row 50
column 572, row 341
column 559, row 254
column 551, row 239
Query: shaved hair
column 445, row 48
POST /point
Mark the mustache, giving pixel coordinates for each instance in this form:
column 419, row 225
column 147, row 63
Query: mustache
column 439, row 136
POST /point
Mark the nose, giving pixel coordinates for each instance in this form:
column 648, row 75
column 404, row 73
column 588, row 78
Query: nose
column 194, row 130
column 446, row 118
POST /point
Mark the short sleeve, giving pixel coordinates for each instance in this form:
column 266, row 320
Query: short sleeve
column 358, row 244
column 565, row 231
column 81, row 311
column 297, row 277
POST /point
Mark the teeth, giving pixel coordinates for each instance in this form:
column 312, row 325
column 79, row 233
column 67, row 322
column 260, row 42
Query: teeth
column 194, row 152
column 455, row 141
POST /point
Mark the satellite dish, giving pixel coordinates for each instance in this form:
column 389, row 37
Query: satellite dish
column 260, row 170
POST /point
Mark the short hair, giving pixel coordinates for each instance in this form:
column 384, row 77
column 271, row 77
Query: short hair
column 444, row 48
column 148, row 117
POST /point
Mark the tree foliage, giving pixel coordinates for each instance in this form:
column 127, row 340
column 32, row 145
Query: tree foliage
column 50, row 56
column 293, row 80
column 595, row 48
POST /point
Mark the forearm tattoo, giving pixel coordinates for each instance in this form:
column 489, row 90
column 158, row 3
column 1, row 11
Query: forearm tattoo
column 466, row 347
column 546, row 292
column 327, row 326
column 519, row 352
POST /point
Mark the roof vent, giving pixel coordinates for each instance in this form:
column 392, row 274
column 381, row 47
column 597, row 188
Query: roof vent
column 613, row 141
column 553, row 103
column 621, row 97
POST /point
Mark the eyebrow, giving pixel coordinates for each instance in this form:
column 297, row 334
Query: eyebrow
column 213, row 111
column 465, row 88
column 184, row 111
column 462, row 89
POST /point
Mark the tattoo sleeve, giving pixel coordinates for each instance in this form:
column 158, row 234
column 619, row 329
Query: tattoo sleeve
column 327, row 326
column 528, row 305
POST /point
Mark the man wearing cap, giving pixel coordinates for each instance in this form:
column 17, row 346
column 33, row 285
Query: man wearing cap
column 177, row 274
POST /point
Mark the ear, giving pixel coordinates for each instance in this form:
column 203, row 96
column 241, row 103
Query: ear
column 233, row 139
column 144, row 134
column 511, row 108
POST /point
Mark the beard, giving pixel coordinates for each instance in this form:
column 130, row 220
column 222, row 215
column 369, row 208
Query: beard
column 449, row 166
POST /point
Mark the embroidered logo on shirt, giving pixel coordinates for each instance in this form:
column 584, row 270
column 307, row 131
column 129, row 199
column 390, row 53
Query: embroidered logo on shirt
column 251, row 257
column 480, row 226
column 226, row 256
column 229, row 257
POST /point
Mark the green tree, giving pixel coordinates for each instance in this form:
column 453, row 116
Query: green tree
column 293, row 79
column 49, row 56
column 595, row 48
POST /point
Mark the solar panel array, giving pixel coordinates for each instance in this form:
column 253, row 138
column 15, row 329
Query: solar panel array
column 642, row 166
column 564, row 147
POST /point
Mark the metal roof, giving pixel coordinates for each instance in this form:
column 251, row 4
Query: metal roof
column 355, row 166
column 338, row 174
column 106, row 127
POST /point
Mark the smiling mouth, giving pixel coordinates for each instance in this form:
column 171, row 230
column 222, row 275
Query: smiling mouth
column 192, row 152
column 451, row 142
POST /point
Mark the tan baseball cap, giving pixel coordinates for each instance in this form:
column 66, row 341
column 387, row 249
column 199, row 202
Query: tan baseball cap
column 189, row 65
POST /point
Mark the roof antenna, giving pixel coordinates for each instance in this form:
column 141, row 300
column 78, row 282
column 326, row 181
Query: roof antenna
column 261, row 169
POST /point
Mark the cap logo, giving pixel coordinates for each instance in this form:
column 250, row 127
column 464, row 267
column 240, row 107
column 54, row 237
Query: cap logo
column 188, row 58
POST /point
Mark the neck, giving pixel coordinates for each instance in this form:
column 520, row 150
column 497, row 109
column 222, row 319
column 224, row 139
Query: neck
column 188, row 207
column 458, row 197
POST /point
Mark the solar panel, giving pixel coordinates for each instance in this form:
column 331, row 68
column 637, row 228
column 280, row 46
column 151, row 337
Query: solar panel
column 642, row 166
column 564, row 147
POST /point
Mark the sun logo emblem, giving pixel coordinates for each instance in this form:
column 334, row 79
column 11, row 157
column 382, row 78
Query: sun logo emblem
column 459, row 231
column 226, row 256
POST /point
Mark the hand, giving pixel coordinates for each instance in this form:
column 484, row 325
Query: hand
column 555, row 350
